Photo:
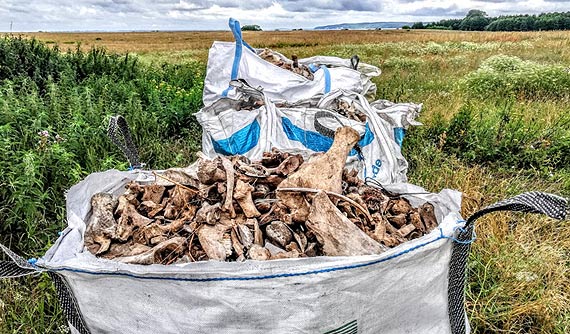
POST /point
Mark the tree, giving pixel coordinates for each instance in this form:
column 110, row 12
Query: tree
column 251, row 27
column 476, row 12
column 418, row 25
column 474, row 23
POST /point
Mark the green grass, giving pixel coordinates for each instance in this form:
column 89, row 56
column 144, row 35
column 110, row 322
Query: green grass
column 494, row 126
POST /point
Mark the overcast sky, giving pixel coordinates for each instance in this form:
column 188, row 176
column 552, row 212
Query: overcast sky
column 111, row 15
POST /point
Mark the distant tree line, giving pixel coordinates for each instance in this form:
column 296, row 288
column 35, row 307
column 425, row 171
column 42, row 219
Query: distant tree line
column 251, row 27
column 477, row 20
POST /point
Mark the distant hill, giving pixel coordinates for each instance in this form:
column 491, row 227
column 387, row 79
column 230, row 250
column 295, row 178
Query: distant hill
column 365, row 26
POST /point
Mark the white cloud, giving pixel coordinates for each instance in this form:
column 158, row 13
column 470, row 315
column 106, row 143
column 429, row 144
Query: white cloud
column 53, row 15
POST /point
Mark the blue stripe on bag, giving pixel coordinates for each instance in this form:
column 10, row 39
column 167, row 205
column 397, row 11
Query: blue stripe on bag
column 399, row 134
column 327, row 79
column 240, row 142
column 368, row 136
column 261, row 277
column 317, row 142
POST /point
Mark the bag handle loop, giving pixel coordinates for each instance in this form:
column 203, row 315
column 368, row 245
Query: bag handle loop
column 531, row 202
column 19, row 267
column 119, row 133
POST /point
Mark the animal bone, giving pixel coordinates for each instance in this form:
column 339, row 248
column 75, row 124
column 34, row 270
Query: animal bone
column 258, row 253
column 427, row 215
column 173, row 176
column 130, row 218
column 273, row 158
column 257, row 234
column 311, row 249
column 126, row 249
column 398, row 220
column 209, row 214
column 407, row 229
column 153, row 193
column 301, row 239
column 236, row 244
column 416, row 221
column 261, row 191
column 209, row 172
column 321, row 172
column 245, row 235
column 400, row 206
column 170, row 211
column 338, row 235
column 286, row 255
column 123, row 203
column 288, row 166
column 150, row 208
column 243, row 197
column 379, row 228
column 228, row 204
column 263, row 205
column 165, row 250
column 101, row 226
column 180, row 196
column 134, row 188
column 279, row 233
column 212, row 241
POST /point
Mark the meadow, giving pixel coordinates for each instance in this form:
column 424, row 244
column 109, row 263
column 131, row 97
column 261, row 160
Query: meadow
column 496, row 123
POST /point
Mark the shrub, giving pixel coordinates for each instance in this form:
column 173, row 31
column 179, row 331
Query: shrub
column 251, row 27
column 511, row 76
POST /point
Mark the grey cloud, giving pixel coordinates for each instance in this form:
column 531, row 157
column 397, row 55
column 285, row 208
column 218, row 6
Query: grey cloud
column 451, row 11
column 244, row 4
column 498, row 1
column 337, row 5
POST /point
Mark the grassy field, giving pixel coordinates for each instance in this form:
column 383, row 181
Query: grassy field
column 496, row 123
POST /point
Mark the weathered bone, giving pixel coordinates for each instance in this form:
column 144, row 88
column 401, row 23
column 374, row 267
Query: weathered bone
column 338, row 235
column 398, row 220
column 258, row 253
column 228, row 204
column 257, row 234
column 279, row 233
column 400, row 206
column 236, row 244
column 153, row 193
column 158, row 254
column 150, row 208
column 243, row 197
column 320, row 172
column 128, row 221
column 125, row 249
column 209, row 214
column 245, row 235
column 101, row 226
column 212, row 241
column 416, row 220
column 427, row 215
column 209, row 172
column 407, row 229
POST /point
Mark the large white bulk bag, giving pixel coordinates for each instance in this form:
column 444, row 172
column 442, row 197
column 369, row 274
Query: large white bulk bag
column 299, row 129
column 416, row 287
column 400, row 115
column 237, row 60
